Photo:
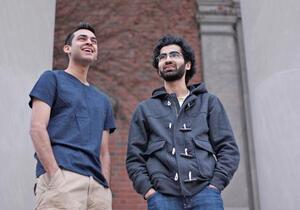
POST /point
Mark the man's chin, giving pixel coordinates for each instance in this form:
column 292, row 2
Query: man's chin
column 87, row 60
column 171, row 78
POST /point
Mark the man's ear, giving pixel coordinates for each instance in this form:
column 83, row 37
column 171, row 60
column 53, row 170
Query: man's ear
column 67, row 49
column 188, row 66
column 158, row 72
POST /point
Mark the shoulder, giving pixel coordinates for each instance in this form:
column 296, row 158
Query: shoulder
column 208, row 96
column 213, row 98
column 46, row 78
column 148, row 103
column 47, row 74
column 58, row 73
column 51, row 74
column 98, row 91
column 101, row 94
column 149, row 107
column 209, row 100
column 214, row 102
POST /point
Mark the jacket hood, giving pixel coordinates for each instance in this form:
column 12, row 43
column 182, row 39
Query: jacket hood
column 195, row 89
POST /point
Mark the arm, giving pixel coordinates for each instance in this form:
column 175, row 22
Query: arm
column 40, row 138
column 223, row 142
column 135, row 161
column 105, row 156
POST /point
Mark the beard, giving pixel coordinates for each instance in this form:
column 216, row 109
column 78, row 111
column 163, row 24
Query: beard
column 173, row 75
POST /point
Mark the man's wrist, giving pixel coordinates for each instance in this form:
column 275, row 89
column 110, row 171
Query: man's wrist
column 51, row 172
column 212, row 186
column 150, row 192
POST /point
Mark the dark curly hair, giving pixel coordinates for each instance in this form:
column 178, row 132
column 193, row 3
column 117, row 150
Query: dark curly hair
column 82, row 25
column 187, row 51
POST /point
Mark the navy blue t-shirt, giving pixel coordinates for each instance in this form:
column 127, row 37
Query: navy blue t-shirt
column 79, row 114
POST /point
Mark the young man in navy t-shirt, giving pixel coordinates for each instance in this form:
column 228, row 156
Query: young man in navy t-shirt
column 70, row 126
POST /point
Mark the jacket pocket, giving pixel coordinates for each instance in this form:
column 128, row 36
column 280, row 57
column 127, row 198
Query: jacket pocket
column 204, row 145
column 157, row 158
column 205, row 157
column 155, row 146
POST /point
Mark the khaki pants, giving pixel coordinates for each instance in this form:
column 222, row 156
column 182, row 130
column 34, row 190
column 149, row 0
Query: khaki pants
column 71, row 191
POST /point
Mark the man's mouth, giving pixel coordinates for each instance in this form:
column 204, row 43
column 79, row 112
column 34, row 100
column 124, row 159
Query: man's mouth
column 169, row 67
column 88, row 50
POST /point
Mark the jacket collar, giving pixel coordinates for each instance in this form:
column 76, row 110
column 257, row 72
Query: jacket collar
column 196, row 89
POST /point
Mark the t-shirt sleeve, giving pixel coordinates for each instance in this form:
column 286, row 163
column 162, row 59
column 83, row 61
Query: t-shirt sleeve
column 44, row 89
column 109, row 123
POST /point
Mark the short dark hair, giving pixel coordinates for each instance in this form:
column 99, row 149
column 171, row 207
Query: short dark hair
column 187, row 52
column 82, row 25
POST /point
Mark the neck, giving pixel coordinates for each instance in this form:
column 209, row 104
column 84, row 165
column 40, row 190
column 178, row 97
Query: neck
column 178, row 87
column 78, row 71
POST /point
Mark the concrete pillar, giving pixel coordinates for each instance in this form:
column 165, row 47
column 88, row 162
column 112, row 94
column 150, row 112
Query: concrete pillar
column 26, row 41
column 272, row 32
column 222, row 66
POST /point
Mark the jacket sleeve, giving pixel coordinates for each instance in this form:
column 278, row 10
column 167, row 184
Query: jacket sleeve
column 135, row 161
column 223, row 142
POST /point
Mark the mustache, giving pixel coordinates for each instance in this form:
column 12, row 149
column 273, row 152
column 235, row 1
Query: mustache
column 169, row 65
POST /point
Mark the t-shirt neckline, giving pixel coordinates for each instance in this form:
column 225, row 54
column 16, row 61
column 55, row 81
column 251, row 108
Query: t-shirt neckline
column 75, row 78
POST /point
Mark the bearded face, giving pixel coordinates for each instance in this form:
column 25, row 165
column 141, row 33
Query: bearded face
column 171, row 63
column 171, row 72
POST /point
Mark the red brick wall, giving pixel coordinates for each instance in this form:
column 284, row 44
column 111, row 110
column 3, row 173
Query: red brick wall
column 127, row 31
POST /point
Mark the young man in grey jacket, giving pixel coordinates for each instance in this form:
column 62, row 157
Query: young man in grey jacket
column 181, row 149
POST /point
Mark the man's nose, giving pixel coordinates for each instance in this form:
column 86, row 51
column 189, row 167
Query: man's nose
column 168, row 60
column 89, row 41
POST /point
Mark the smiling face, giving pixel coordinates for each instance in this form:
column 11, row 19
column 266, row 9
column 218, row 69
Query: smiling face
column 171, row 64
column 83, row 48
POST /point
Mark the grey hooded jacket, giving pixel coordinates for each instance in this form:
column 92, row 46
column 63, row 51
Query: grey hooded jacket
column 180, row 150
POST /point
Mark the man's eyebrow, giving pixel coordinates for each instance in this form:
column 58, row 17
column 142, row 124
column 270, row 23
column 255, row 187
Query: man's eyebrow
column 82, row 35
column 86, row 36
column 174, row 51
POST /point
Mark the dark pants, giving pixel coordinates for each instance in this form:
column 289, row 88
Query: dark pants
column 207, row 199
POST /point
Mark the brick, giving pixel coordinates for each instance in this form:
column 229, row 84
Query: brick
column 127, row 31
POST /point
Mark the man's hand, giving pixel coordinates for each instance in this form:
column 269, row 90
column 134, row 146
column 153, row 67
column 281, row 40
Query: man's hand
column 149, row 193
column 211, row 186
column 52, row 172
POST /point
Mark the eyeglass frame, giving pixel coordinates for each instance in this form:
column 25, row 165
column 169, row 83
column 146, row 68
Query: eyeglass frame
column 171, row 55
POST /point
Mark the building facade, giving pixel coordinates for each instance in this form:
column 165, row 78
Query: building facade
column 246, row 53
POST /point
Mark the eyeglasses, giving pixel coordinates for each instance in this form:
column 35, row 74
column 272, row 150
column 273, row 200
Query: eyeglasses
column 172, row 55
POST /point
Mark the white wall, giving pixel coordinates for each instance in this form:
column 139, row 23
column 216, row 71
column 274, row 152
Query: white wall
column 272, row 41
column 26, row 41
